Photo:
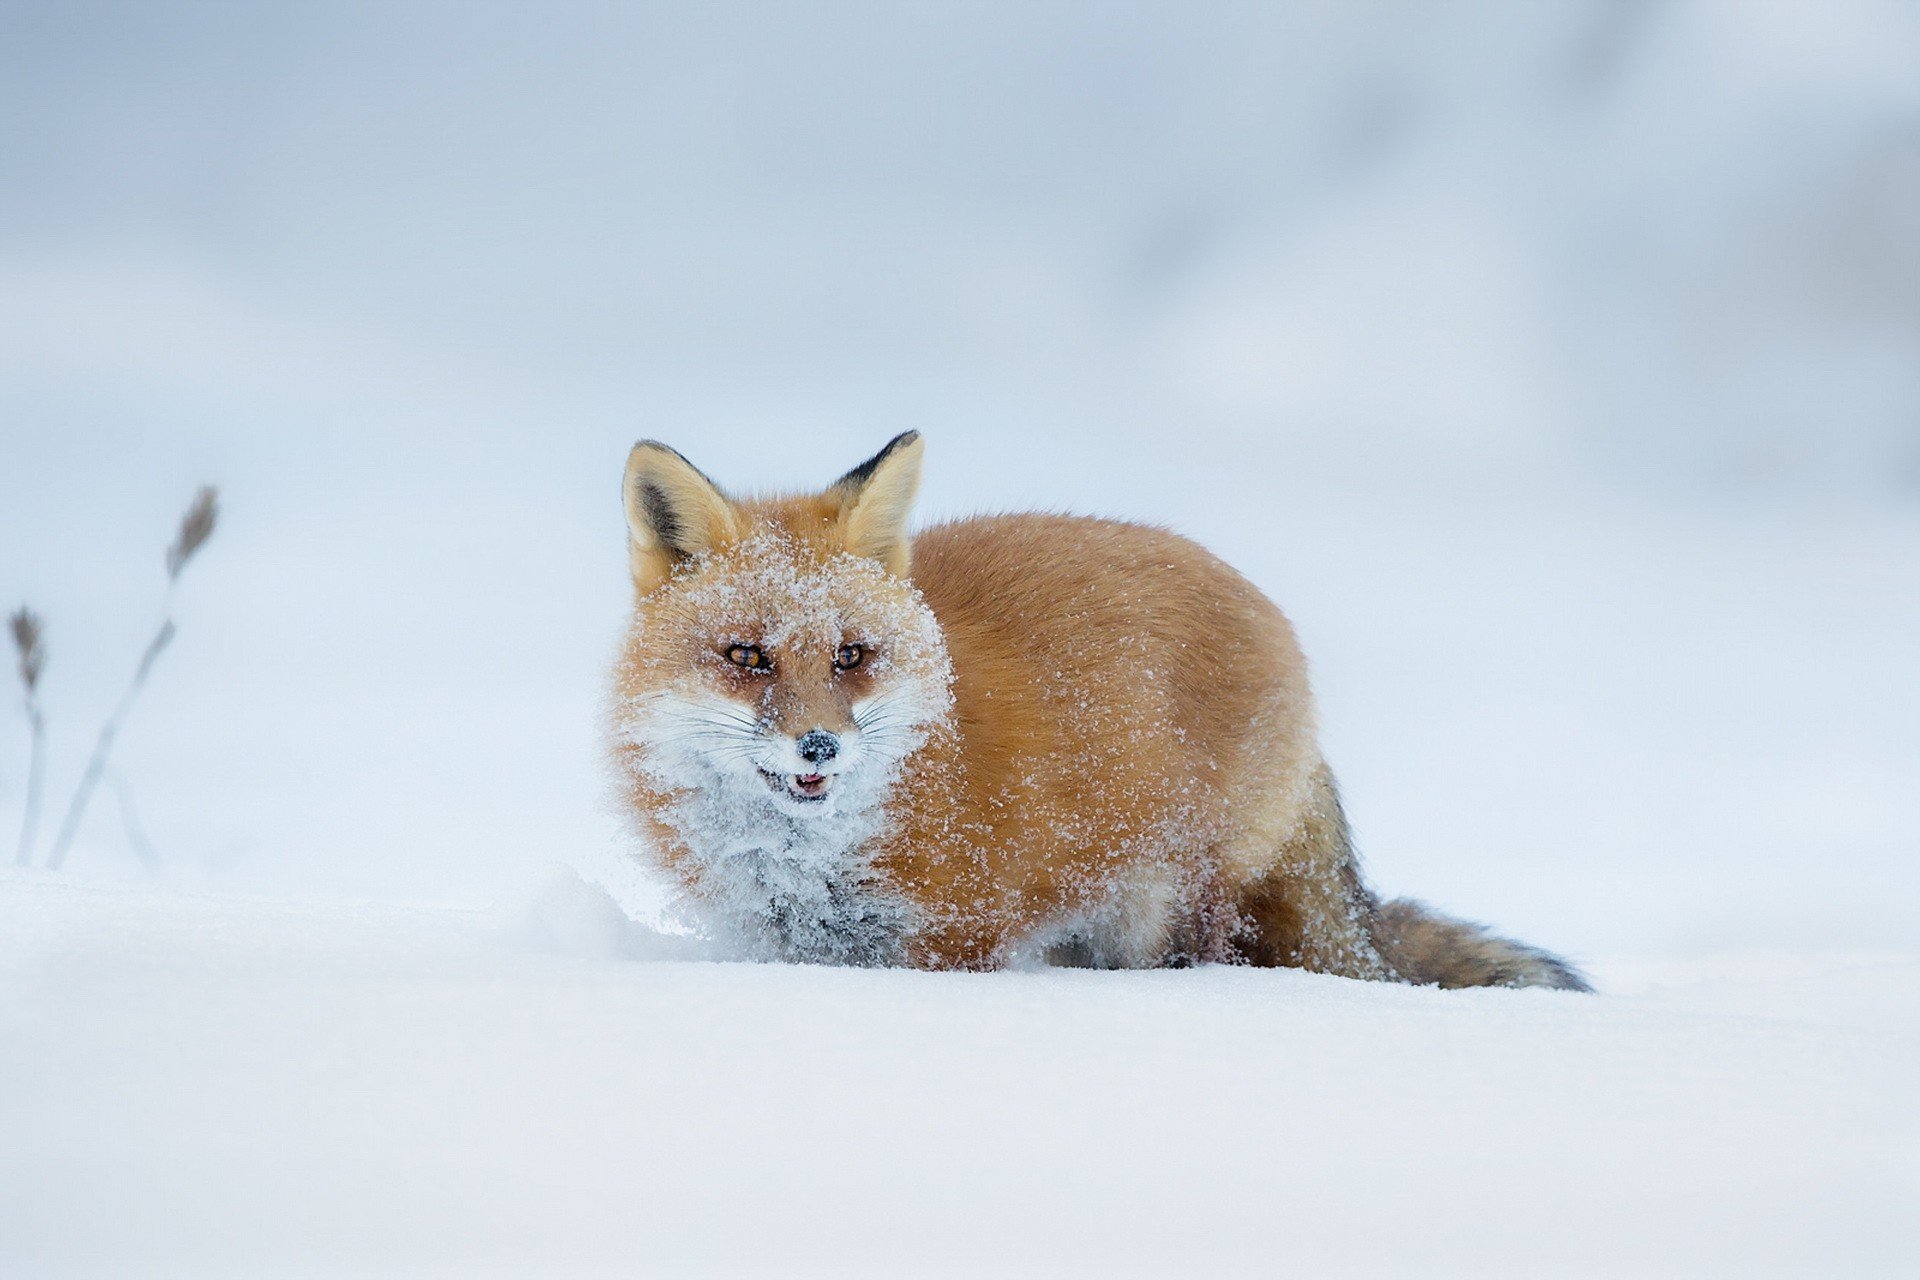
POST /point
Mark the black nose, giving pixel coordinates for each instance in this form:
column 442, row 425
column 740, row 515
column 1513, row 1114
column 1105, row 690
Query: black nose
column 817, row 746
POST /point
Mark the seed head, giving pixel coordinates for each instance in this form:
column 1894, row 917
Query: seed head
column 195, row 528
column 27, row 639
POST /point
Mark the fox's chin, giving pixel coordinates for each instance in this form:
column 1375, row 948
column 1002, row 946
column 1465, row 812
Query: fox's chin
column 804, row 789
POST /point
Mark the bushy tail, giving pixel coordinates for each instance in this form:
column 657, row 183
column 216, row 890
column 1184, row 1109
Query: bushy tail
column 1425, row 947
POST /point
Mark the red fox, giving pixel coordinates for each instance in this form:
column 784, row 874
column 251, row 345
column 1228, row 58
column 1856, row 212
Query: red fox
column 1009, row 740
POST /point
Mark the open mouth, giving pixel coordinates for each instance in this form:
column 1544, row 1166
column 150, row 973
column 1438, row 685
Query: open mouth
column 800, row 786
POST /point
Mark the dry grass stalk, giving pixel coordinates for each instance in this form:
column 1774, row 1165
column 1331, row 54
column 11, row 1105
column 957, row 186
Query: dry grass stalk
column 195, row 528
column 29, row 642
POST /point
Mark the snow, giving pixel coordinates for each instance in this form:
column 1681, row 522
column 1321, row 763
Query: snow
column 1551, row 366
column 220, row 1085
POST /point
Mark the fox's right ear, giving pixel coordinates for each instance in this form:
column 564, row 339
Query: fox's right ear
column 673, row 512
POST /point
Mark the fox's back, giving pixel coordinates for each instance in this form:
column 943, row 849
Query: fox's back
column 1104, row 614
column 1113, row 684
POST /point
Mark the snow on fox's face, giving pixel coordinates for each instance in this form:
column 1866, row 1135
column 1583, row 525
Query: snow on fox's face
column 783, row 677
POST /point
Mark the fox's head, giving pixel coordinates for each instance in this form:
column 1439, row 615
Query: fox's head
column 779, row 655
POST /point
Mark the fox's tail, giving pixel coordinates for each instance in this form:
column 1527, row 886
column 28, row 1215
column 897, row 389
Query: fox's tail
column 1424, row 947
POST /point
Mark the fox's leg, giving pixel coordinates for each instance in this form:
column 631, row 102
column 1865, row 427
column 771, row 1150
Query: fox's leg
column 1310, row 910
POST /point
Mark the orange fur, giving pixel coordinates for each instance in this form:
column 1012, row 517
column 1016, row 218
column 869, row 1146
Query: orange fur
column 1128, row 774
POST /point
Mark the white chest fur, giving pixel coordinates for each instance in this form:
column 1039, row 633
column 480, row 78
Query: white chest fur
column 783, row 886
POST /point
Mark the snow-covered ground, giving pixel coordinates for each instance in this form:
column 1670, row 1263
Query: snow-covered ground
column 1553, row 366
column 1677, row 744
column 221, row 1086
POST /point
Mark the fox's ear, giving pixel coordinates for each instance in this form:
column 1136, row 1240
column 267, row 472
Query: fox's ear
column 673, row 512
column 875, row 499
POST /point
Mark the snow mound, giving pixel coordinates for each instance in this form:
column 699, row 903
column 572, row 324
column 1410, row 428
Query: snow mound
column 222, row 1086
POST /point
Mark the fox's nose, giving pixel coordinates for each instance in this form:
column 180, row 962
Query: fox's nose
column 817, row 746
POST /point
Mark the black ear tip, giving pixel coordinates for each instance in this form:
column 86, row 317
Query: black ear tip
column 659, row 450
column 864, row 472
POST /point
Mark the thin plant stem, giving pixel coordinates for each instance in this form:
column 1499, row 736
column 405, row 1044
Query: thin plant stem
column 36, row 771
column 103, row 745
column 130, row 822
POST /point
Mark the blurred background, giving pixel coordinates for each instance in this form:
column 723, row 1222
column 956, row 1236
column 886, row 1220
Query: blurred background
column 1556, row 367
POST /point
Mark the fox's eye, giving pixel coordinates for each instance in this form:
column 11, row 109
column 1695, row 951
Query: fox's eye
column 850, row 656
column 749, row 656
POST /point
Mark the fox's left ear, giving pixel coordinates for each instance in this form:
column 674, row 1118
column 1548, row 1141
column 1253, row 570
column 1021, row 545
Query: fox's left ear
column 876, row 498
column 673, row 512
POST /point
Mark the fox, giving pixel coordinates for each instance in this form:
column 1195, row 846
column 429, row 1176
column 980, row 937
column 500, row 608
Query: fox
column 998, row 742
